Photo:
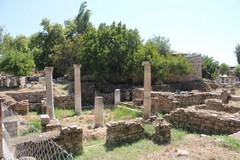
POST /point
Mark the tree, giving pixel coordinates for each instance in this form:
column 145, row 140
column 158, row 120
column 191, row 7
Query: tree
column 17, row 64
column 67, row 54
column 224, row 68
column 161, row 44
column 1, row 40
column 236, row 70
column 42, row 44
column 237, row 53
column 82, row 20
column 209, row 67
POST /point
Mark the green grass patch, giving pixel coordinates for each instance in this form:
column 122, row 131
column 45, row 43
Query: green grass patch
column 97, row 150
column 34, row 126
column 63, row 113
column 149, row 128
column 177, row 135
column 229, row 142
column 123, row 112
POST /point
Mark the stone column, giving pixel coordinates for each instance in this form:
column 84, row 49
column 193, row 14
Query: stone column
column 1, row 130
column 147, row 89
column 98, row 112
column 117, row 96
column 77, row 89
column 49, row 92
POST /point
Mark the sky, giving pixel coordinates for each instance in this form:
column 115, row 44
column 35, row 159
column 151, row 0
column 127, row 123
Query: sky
column 208, row 27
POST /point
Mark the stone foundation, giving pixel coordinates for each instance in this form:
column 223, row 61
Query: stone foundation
column 64, row 102
column 167, row 101
column 206, row 121
column 124, row 131
column 162, row 133
column 71, row 139
column 49, row 124
column 217, row 105
column 32, row 96
column 21, row 107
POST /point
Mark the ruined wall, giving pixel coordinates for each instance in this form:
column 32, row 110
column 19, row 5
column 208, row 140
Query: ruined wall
column 206, row 121
column 71, row 139
column 196, row 74
column 217, row 105
column 124, row 131
column 32, row 96
column 21, row 107
column 64, row 101
column 167, row 101
column 162, row 133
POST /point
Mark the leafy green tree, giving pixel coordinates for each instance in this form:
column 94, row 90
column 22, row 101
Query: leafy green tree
column 8, row 43
column 209, row 67
column 82, row 19
column 17, row 63
column 161, row 44
column 236, row 70
column 42, row 44
column 67, row 54
column 224, row 68
column 1, row 40
column 237, row 53
column 21, row 44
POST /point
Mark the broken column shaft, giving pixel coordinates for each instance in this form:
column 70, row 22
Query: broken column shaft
column 98, row 112
column 49, row 92
column 147, row 89
column 77, row 89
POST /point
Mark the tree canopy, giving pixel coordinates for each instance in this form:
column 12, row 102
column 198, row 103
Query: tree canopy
column 111, row 53
column 224, row 68
column 237, row 53
column 17, row 63
column 209, row 67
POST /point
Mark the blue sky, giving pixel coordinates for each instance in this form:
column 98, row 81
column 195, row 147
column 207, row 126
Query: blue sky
column 209, row 27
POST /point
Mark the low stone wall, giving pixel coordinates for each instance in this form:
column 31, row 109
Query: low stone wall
column 162, row 133
column 33, row 96
column 69, row 138
column 64, row 102
column 124, row 131
column 206, row 121
column 21, row 107
column 217, row 105
column 168, row 101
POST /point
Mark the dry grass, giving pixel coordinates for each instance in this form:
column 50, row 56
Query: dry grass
column 198, row 148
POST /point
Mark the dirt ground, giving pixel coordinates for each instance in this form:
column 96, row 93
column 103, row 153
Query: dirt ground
column 195, row 147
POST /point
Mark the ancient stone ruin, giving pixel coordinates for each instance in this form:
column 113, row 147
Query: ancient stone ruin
column 123, row 131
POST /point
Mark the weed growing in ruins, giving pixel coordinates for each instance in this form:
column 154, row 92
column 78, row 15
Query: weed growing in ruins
column 123, row 112
column 149, row 128
column 34, row 127
column 177, row 135
column 229, row 142
column 63, row 113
